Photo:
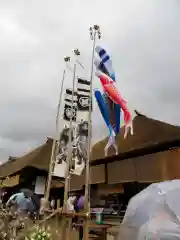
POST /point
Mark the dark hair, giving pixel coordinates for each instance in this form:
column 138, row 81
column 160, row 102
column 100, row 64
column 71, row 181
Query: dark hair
column 82, row 191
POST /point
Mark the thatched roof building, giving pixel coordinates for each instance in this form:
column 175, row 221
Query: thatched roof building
column 23, row 171
column 147, row 132
column 38, row 158
column 148, row 153
column 152, row 153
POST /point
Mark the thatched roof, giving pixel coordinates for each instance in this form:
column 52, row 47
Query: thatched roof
column 38, row 158
column 147, row 132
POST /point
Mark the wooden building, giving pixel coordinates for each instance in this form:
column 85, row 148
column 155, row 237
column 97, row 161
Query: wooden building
column 36, row 163
column 152, row 154
column 22, row 172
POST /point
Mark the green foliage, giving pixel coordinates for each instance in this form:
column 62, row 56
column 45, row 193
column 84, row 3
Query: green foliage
column 39, row 234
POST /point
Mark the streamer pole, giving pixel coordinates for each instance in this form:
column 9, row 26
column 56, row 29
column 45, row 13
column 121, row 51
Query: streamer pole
column 52, row 159
column 94, row 33
column 65, row 236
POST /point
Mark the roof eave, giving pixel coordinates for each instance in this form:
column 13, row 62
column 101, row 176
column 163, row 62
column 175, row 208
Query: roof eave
column 150, row 149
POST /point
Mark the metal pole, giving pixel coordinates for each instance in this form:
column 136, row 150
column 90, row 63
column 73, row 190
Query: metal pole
column 87, row 197
column 69, row 158
column 52, row 159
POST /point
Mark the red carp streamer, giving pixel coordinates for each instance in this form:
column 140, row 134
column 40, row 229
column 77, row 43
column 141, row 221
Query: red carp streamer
column 113, row 93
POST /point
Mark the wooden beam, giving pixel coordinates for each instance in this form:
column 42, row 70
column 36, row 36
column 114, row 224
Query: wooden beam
column 150, row 149
column 106, row 173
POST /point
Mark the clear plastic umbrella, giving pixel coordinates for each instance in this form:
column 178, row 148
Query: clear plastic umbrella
column 153, row 214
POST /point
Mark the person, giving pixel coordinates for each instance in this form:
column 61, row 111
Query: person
column 79, row 207
column 43, row 206
column 80, row 203
column 21, row 203
column 16, row 199
column 36, row 202
column 4, row 198
column 71, row 203
column 52, row 204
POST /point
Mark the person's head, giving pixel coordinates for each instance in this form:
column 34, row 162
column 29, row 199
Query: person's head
column 62, row 143
column 83, row 189
column 25, row 195
column 4, row 193
column 73, row 199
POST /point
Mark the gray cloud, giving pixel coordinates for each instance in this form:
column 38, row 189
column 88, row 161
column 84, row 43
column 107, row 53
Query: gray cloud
column 142, row 36
column 27, row 120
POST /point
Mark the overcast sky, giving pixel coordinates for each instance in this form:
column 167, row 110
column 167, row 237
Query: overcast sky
column 142, row 36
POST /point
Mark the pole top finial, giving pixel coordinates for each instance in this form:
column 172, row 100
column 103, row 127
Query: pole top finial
column 67, row 59
column 93, row 30
column 76, row 52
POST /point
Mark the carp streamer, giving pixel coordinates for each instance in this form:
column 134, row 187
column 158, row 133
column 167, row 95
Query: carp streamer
column 110, row 102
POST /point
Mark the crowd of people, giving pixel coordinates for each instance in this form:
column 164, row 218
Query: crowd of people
column 26, row 202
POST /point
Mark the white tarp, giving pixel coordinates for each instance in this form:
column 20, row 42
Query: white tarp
column 40, row 185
